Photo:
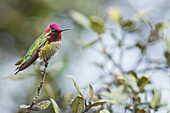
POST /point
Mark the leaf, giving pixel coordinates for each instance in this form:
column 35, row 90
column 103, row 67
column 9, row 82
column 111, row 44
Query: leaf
column 126, row 81
column 97, row 24
column 55, row 106
column 17, row 77
column 167, row 55
column 91, row 92
column 77, row 106
column 101, row 102
column 128, row 25
column 24, row 106
column 156, row 100
column 104, row 111
column 98, row 65
column 154, row 36
column 38, row 107
column 117, row 95
column 114, row 14
column 132, row 75
column 80, row 19
column 75, row 84
column 142, row 82
column 162, row 26
column 141, row 111
column 80, row 41
column 87, row 45
column 168, row 110
column 41, row 105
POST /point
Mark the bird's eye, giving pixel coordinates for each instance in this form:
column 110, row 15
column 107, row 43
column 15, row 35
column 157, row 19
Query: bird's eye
column 52, row 30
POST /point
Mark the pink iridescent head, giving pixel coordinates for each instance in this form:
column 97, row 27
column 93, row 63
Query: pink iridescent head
column 55, row 28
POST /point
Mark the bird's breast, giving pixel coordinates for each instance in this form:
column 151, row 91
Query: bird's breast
column 49, row 50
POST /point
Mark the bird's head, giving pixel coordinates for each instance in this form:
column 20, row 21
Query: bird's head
column 53, row 32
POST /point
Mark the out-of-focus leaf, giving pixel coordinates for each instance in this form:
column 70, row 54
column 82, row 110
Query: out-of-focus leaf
column 117, row 95
column 101, row 102
column 97, row 24
column 132, row 75
column 161, row 106
column 154, row 36
column 142, row 15
column 168, row 110
column 142, row 82
column 141, row 111
column 49, row 89
column 87, row 45
column 114, row 14
column 167, row 55
column 80, row 19
column 162, row 26
column 126, row 81
column 77, row 106
column 98, row 65
column 67, row 99
column 55, row 106
column 104, row 111
column 80, row 41
column 17, row 77
column 140, row 107
column 38, row 107
column 75, row 84
column 128, row 25
column 156, row 100
column 24, row 106
column 91, row 92
column 141, row 46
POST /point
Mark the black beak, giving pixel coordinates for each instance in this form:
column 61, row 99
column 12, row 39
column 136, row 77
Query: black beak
column 64, row 30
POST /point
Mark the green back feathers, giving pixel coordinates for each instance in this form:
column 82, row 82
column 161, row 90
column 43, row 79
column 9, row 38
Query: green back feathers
column 40, row 41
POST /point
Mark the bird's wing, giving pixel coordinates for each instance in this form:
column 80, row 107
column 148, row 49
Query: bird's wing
column 32, row 54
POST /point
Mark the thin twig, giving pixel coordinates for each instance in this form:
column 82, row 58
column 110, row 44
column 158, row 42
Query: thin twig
column 39, row 87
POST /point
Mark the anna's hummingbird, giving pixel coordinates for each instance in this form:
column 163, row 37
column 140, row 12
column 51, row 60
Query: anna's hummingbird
column 44, row 47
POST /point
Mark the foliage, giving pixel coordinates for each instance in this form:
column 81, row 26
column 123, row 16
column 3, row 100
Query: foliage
column 128, row 88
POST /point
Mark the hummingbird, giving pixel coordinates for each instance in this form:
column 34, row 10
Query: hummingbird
column 43, row 47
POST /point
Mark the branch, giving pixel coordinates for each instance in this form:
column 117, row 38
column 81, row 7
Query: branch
column 39, row 87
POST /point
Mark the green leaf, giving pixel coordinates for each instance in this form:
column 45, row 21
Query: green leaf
column 24, row 106
column 154, row 36
column 98, row 65
column 167, row 55
column 114, row 14
column 156, row 100
column 126, row 81
column 80, row 19
column 104, row 111
column 91, row 92
column 97, row 24
column 117, row 95
column 101, row 102
column 38, row 107
column 142, row 82
column 17, row 77
column 87, row 45
column 128, row 25
column 132, row 75
column 41, row 105
column 75, row 84
column 55, row 106
column 168, row 110
column 80, row 41
column 77, row 106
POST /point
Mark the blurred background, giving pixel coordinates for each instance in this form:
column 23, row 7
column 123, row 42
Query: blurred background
column 22, row 21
